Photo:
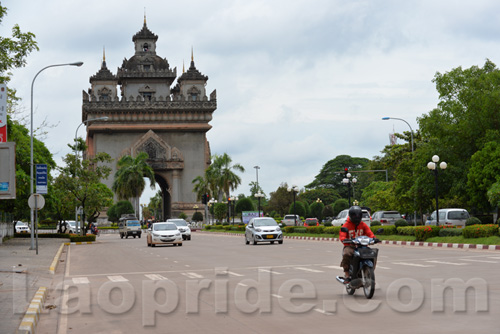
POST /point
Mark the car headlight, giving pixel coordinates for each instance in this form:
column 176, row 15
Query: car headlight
column 278, row 229
column 156, row 234
column 177, row 234
column 258, row 230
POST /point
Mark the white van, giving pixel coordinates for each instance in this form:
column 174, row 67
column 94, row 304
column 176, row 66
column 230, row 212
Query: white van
column 450, row 217
column 129, row 226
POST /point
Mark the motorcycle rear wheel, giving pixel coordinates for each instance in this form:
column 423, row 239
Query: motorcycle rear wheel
column 369, row 283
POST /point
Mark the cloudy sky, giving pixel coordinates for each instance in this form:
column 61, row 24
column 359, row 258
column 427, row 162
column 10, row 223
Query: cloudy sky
column 298, row 81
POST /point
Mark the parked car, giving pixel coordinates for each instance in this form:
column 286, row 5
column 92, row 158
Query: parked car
column 183, row 227
column 22, row 228
column 311, row 222
column 163, row 233
column 342, row 217
column 450, row 216
column 386, row 217
column 291, row 220
column 71, row 227
column 263, row 229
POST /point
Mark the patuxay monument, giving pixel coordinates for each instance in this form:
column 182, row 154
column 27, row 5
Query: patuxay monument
column 150, row 109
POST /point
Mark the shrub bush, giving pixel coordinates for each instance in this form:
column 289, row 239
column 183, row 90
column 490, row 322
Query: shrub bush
column 335, row 230
column 227, row 227
column 289, row 229
column 450, row 232
column 375, row 223
column 43, row 235
column 387, row 230
column 480, row 231
column 316, row 229
column 328, row 224
column 423, row 233
column 401, row 222
column 472, row 221
column 300, row 230
column 79, row 238
column 208, row 227
column 406, row 230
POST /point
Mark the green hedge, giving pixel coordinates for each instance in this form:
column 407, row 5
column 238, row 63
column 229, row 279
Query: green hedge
column 43, row 235
column 375, row 223
column 480, row 231
column 300, row 230
column 387, row 229
column 450, row 232
column 315, row 229
column 401, row 222
column 406, row 230
column 335, row 230
column 79, row 238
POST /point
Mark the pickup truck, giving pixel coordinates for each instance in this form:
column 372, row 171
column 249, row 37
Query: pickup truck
column 289, row 220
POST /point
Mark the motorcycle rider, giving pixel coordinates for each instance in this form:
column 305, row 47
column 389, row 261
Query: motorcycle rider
column 356, row 228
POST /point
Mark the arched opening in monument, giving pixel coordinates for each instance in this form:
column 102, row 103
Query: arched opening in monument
column 164, row 211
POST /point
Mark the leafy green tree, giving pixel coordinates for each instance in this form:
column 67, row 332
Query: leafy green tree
column 244, row 204
column 340, row 205
column 255, row 188
column 41, row 155
column 14, row 51
column 129, row 178
column 221, row 172
column 484, row 172
column 280, row 200
column 82, row 179
column 60, row 206
column 298, row 209
column 220, row 211
column 316, row 210
column 326, row 195
column 197, row 216
column 380, row 196
column 115, row 211
column 332, row 173
column 100, row 197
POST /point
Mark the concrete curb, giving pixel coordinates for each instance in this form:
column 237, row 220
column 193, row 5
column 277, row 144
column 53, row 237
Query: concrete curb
column 390, row 242
column 30, row 319
column 53, row 266
column 79, row 243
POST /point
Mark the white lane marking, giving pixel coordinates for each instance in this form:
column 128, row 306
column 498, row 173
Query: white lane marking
column 309, row 270
column 155, row 277
column 117, row 279
column 334, row 267
column 234, row 274
column 380, row 267
column 270, row 271
column 277, row 296
column 482, row 261
column 323, row 311
column 413, row 264
column 192, row 275
column 493, row 257
column 449, row 263
column 242, row 284
column 80, row 280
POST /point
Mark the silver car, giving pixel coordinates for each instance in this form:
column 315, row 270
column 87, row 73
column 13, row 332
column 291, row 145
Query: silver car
column 387, row 217
column 163, row 234
column 263, row 229
column 449, row 217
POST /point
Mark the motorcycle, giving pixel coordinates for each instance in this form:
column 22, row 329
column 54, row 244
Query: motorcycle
column 362, row 268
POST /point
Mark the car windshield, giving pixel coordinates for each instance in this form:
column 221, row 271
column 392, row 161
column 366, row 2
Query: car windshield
column 366, row 215
column 164, row 227
column 178, row 222
column 133, row 223
column 265, row 222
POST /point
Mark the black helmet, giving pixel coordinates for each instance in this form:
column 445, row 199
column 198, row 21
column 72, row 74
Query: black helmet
column 355, row 214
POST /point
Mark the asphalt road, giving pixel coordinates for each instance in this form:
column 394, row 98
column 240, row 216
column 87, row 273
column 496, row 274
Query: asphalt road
column 217, row 284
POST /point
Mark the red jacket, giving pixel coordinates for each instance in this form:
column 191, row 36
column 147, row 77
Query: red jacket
column 355, row 231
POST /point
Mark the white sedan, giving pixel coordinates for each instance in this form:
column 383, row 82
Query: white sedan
column 22, row 228
column 163, row 234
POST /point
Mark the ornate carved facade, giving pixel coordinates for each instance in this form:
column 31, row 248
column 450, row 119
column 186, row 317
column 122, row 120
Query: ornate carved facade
column 151, row 114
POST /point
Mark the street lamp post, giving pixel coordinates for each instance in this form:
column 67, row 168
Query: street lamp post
column 31, row 140
column 259, row 195
column 411, row 133
column 432, row 165
column 294, row 190
column 211, row 202
column 233, row 205
column 348, row 182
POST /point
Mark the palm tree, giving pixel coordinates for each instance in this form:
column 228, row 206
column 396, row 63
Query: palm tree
column 129, row 178
column 222, row 172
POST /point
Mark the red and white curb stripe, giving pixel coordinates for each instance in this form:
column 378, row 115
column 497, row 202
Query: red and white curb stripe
column 28, row 324
column 389, row 242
